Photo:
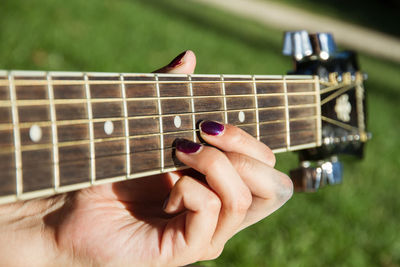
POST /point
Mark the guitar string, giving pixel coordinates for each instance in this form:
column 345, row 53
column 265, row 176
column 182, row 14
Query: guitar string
column 280, row 135
column 7, row 126
column 59, row 101
column 122, row 137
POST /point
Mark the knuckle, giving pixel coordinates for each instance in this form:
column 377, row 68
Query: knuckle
column 214, row 160
column 181, row 184
column 241, row 203
column 238, row 136
column 240, row 162
column 213, row 203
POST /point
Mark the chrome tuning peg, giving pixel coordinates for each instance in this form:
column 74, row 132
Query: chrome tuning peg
column 301, row 45
column 297, row 44
column 310, row 177
column 327, row 46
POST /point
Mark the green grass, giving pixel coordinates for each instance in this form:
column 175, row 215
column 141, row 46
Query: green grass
column 354, row 224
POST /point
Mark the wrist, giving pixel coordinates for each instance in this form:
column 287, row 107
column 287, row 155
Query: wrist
column 26, row 236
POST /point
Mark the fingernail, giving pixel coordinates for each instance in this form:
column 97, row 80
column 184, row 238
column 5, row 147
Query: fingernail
column 212, row 127
column 178, row 60
column 165, row 202
column 186, row 146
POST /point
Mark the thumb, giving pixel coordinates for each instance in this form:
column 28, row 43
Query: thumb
column 184, row 63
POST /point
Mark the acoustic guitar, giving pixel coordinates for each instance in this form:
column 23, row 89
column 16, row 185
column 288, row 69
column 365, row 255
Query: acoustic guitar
column 63, row 131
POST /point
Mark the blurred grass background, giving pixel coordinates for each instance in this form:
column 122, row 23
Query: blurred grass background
column 353, row 224
column 376, row 14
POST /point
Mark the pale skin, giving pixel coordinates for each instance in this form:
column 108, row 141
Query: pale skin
column 135, row 223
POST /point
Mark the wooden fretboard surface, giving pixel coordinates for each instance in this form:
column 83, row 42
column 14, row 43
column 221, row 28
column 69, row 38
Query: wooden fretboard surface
column 64, row 131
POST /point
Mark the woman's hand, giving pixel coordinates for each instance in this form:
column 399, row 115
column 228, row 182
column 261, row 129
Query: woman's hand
column 164, row 220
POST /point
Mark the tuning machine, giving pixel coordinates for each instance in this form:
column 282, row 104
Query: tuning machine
column 301, row 45
column 313, row 175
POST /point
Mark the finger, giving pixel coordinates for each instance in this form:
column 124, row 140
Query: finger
column 233, row 139
column 202, row 207
column 222, row 177
column 270, row 188
column 184, row 63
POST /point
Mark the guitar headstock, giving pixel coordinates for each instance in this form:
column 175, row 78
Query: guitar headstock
column 343, row 106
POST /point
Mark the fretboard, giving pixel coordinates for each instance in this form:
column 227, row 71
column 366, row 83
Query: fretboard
column 63, row 131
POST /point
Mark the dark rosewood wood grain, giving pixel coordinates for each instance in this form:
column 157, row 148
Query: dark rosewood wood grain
column 145, row 153
column 271, row 101
column 7, row 139
column 25, row 92
column 169, row 123
column 104, row 90
column 118, row 126
column 5, row 114
column 238, row 88
column 302, row 112
column 69, row 91
column 34, row 113
column 107, row 110
column 244, row 102
column 173, row 89
column 110, row 159
column 268, row 87
column 301, row 99
column 37, row 169
column 299, row 87
column 75, row 111
column 174, row 106
column 7, row 173
column 134, row 90
column 4, row 90
column 216, row 116
column 249, row 117
column 272, row 128
column 272, row 114
column 45, row 139
column 142, row 107
column 275, row 141
column 74, row 164
column 150, row 125
column 73, row 132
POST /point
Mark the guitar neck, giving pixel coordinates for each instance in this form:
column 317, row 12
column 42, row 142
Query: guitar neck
column 65, row 131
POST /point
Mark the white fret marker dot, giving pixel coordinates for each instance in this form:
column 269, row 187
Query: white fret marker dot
column 35, row 133
column 241, row 116
column 108, row 127
column 177, row 121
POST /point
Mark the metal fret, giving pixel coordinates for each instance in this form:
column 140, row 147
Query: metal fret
column 50, row 93
column 192, row 108
column 298, row 79
column 318, row 110
column 286, row 114
column 256, row 107
column 91, row 131
column 161, row 124
column 127, row 144
column 224, row 97
column 17, row 138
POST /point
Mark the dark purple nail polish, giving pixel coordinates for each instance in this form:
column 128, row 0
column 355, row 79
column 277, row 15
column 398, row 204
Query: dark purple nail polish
column 186, row 146
column 212, row 127
column 177, row 61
